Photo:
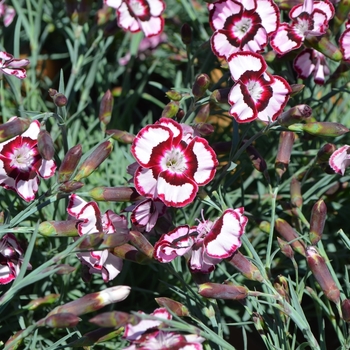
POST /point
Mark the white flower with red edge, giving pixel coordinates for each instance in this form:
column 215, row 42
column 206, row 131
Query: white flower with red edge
column 170, row 169
column 21, row 164
column 92, row 221
column 308, row 19
column 7, row 12
column 139, row 15
column 344, row 43
column 12, row 66
column 242, row 25
column 311, row 62
column 340, row 159
column 256, row 94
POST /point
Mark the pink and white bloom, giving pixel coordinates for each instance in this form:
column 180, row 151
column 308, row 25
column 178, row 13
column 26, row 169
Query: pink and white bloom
column 169, row 168
column 92, row 221
column 11, row 257
column 139, row 15
column 7, row 12
column 340, row 159
column 256, row 94
column 12, row 66
column 242, row 25
column 310, row 61
column 206, row 244
column 21, row 164
column 308, row 19
column 344, row 43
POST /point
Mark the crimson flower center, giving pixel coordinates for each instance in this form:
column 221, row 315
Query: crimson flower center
column 174, row 161
column 22, row 158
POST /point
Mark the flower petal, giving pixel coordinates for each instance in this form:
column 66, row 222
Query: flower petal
column 340, row 159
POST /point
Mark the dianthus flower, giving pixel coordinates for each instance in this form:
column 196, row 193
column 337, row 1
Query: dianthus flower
column 12, row 66
column 242, row 25
column 256, row 94
column 344, row 43
column 206, row 244
column 340, row 159
column 170, row 168
column 308, row 19
column 92, row 221
column 21, row 164
column 7, row 12
column 139, row 15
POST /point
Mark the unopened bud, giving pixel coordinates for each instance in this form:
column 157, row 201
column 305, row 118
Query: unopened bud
column 138, row 240
column 281, row 286
column 204, row 129
column 245, row 267
column 170, row 110
column 52, row 92
column 296, row 89
column 345, row 308
column 294, row 115
column 70, row 186
column 102, row 240
column 115, row 319
column 295, row 193
column 92, row 162
column 129, row 252
column 200, row 85
column 322, row 275
column 325, row 152
column 173, row 95
column 285, row 247
column 59, row 228
column 114, row 194
column 61, row 320
column 180, row 114
column 47, row 300
column 220, row 96
column 317, row 221
column 341, row 14
column 321, row 128
column 69, row 163
column 257, row 160
column 94, row 301
column 45, row 145
column 186, row 34
column 222, row 291
column 324, row 45
column 13, row 128
column 58, row 98
column 289, row 234
column 106, row 108
column 259, row 323
column 174, row 306
column 202, row 113
column 284, row 152
column 121, row 136
column 265, row 226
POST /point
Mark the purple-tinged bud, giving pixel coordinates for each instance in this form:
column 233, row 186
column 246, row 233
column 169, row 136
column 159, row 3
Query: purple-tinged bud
column 204, row 129
column 45, row 145
column 265, row 227
column 94, row 301
column 222, row 291
column 285, row 247
column 201, row 85
column 317, row 221
column 52, row 92
column 284, row 152
column 257, row 160
column 170, row 110
column 180, row 114
column 245, row 267
column 294, row 115
column 60, row 320
column 296, row 89
column 289, row 234
column 173, row 95
column 324, row 45
column 220, row 96
column 59, row 228
column 325, row 152
column 104, row 240
column 121, row 136
column 322, row 275
column 174, row 306
column 13, row 128
column 138, row 240
column 106, row 108
column 321, row 128
column 114, row 194
column 341, row 14
column 129, row 252
column 186, row 34
column 202, row 113
column 70, row 186
column 69, row 163
column 113, row 319
column 92, row 162
column 47, row 300
column 60, row 100
column 295, row 193
column 281, row 286
column 15, row 341
column 345, row 308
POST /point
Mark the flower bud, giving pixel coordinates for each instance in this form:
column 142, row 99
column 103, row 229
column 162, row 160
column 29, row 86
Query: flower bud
column 59, row 228
column 294, row 115
column 322, row 275
column 200, row 85
column 180, row 114
column 222, row 291
column 281, row 286
column 170, row 110
column 138, row 240
column 58, row 98
column 317, row 221
column 295, row 193
column 92, row 162
column 204, row 129
column 13, row 128
column 296, row 88
column 259, row 323
column 285, row 248
column 173, row 95
column 220, row 96
column 202, row 113
column 129, row 252
column 70, row 186
column 284, row 152
column 102, row 240
column 45, row 145
column 47, row 300
column 245, row 267
column 265, row 226
column 174, row 306
column 106, row 108
column 52, row 92
column 324, row 45
column 341, row 15
column 114, row 194
column 257, row 160
column 93, row 302
column 69, row 163
column 61, row 320
column 113, row 319
column 186, row 34
column 345, row 308
column 289, row 234
column 121, row 136
column 325, row 152
column 321, row 128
